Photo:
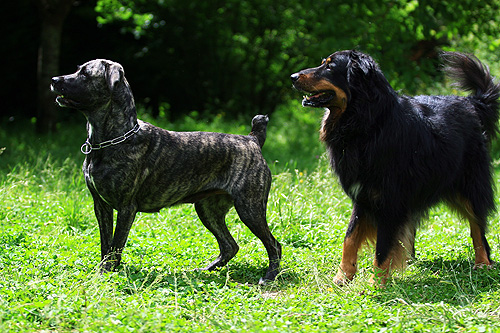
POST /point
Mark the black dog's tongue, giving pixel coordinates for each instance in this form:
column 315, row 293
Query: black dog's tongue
column 319, row 100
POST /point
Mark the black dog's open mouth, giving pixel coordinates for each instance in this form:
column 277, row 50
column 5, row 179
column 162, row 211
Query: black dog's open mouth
column 319, row 99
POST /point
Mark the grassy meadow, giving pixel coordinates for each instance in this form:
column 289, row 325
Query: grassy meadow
column 49, row 252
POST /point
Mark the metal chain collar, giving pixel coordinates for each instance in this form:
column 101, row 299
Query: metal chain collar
column 87, row 147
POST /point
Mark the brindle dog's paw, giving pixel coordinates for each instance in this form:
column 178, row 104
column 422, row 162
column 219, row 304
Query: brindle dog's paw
column 214, row 265
column 268, row 278
column 263, row 282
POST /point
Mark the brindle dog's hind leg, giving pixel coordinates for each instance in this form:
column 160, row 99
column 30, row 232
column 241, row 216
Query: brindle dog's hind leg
column 252, row 212
column 212, row 212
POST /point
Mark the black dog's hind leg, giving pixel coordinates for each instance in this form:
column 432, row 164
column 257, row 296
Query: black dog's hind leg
column 481, row 247
column 477, row 221
column 124, row 222
column 212, row 212
column 252, row 212
column 475, row 199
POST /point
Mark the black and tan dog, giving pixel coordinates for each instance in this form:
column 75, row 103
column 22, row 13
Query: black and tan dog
column 397, row 155
column 132, row 166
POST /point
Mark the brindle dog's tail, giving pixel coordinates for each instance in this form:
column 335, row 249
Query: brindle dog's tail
column 259, row 125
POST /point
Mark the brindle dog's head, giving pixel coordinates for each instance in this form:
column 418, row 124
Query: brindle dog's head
column 91, row 87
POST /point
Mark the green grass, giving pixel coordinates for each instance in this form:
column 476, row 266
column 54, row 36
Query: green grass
column 49, row 253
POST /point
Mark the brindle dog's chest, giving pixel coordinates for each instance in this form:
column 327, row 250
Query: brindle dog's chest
column 112, row 182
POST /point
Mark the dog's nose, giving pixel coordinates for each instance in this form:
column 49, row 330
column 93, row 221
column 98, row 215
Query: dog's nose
column 294, row 77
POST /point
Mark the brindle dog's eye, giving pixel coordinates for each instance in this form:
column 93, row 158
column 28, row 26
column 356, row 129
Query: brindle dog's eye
column 84, row 73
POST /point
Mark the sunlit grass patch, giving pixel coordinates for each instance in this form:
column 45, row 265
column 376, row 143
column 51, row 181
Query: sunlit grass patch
column 50, row 252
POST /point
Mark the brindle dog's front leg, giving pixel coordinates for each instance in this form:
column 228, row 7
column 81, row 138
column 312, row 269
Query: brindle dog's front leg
column 104, row 215
column 124, row 222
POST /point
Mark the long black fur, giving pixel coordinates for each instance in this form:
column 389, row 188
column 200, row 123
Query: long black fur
column 396, row 155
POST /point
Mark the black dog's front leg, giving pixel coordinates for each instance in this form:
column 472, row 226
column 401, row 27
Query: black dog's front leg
column 124, row 222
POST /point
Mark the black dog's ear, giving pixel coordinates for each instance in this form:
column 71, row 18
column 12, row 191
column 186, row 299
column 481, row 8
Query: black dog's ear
column 114, row 75
column 367, row 81
column 358, row 62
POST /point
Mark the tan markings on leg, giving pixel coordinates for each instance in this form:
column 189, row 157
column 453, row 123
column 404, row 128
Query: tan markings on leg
column 481, row 259
column 464, row 207
column 397, row 258
column 364, row 231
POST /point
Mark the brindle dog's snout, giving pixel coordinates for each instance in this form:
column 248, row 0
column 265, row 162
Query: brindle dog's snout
column 57, row 85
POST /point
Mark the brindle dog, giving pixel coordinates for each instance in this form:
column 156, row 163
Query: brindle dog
column 132, row 166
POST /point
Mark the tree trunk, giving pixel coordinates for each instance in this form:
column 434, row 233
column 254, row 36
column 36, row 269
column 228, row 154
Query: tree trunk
column 53, row 13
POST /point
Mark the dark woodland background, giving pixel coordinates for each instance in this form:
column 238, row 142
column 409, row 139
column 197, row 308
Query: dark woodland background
column 231, row 57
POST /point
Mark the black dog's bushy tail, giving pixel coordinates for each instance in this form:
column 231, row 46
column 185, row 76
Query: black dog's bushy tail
column 471, row 75
column 259, row 126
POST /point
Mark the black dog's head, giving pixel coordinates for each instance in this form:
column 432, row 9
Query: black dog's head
column 91, row 87
column 341, row 77
column 327, row 84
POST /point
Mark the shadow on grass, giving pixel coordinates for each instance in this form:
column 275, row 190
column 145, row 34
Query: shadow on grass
column 454, row 282
column 134, row 278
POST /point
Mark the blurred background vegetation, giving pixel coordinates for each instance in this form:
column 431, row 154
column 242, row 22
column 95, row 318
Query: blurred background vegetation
column 230, row 58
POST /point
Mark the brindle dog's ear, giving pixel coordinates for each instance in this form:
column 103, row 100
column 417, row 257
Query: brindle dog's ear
column 114, row 75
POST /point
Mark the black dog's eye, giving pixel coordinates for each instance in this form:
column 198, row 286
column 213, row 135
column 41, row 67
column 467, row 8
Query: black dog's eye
column 328, row 64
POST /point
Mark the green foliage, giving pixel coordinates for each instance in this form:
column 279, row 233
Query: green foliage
column 237, row 55
column 121, row 10
column 405, row 36
column 49, row 253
